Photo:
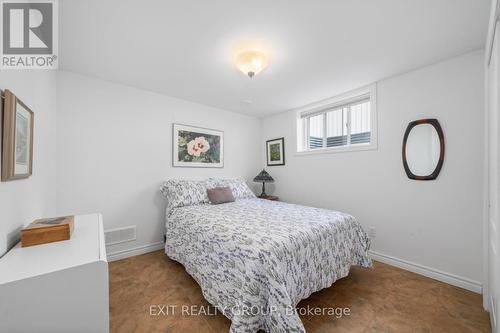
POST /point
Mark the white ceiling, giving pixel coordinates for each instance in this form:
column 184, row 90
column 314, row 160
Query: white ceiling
column 318, row 49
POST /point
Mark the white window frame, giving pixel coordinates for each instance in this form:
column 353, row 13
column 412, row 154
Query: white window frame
column 322, row 107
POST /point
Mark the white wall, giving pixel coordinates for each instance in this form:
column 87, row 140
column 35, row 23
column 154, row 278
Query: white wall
column 22, row 201
column 432, row 223
column 115, row 148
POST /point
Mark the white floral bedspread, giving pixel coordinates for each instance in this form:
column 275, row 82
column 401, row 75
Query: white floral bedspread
column 256, row 259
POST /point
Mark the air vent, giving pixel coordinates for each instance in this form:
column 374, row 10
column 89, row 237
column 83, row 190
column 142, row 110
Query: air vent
column 120, row 235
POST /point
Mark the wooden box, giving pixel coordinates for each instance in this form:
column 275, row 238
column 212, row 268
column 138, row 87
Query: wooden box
column 47, row 231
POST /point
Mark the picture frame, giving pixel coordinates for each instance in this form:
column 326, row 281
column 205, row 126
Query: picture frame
column 17, row 138
column 197, row 147
column 275, row 152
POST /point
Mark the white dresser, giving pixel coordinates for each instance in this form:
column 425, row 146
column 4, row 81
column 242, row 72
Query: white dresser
column 57, row 287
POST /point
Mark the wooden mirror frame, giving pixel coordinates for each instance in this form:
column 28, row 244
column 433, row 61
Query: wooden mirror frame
column 439, row 130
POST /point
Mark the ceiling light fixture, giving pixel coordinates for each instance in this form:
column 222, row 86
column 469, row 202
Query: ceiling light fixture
column 251, row 62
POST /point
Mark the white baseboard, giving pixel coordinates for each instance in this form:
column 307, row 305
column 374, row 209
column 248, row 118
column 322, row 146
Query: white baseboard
column 432, row 273
column 135, row 251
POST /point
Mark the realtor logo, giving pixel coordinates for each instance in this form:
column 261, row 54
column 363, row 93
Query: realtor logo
column 29, row 34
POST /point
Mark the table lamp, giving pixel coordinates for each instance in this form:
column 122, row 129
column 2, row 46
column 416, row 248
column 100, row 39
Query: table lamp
column 263, row 177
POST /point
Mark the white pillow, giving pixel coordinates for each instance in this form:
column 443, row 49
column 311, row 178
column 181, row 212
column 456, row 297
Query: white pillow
column 238, row 186
column 181, row 193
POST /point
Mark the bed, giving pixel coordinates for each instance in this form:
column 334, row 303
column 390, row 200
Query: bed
column 256, row 259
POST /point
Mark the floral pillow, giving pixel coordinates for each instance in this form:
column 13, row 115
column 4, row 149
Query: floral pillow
column 181, row 193
column 238, row 186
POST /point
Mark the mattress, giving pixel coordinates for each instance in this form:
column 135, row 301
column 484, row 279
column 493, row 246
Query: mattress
column 256, row 259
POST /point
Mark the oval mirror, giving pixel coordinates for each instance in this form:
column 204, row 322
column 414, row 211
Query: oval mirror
column 423, row 149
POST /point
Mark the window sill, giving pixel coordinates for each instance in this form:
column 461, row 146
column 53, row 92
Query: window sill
column 333, row 150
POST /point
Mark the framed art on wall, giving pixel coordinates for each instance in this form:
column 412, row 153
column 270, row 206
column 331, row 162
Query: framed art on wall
column 17, row 148
column 275, row 151
column 197, row 147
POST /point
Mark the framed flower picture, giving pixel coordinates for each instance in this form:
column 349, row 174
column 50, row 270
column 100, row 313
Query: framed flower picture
column 197, row 147
column 275, row 152
column 17, row 142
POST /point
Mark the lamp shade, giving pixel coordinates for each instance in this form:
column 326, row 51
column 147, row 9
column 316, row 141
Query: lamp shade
column 263, row 177
column 251, row 62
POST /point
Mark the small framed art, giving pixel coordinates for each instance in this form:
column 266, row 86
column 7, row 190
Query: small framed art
column 197, row 147
column 17, row 148
column 275, row 152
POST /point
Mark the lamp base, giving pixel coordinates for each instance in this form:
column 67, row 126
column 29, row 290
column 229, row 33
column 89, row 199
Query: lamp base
column 263, row 194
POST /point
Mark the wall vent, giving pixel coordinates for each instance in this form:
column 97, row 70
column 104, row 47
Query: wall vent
column 120, row 235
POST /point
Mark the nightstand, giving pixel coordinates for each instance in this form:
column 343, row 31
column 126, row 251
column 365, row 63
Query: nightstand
column 270, row 197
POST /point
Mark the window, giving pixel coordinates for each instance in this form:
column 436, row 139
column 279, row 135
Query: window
column 344, row 122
